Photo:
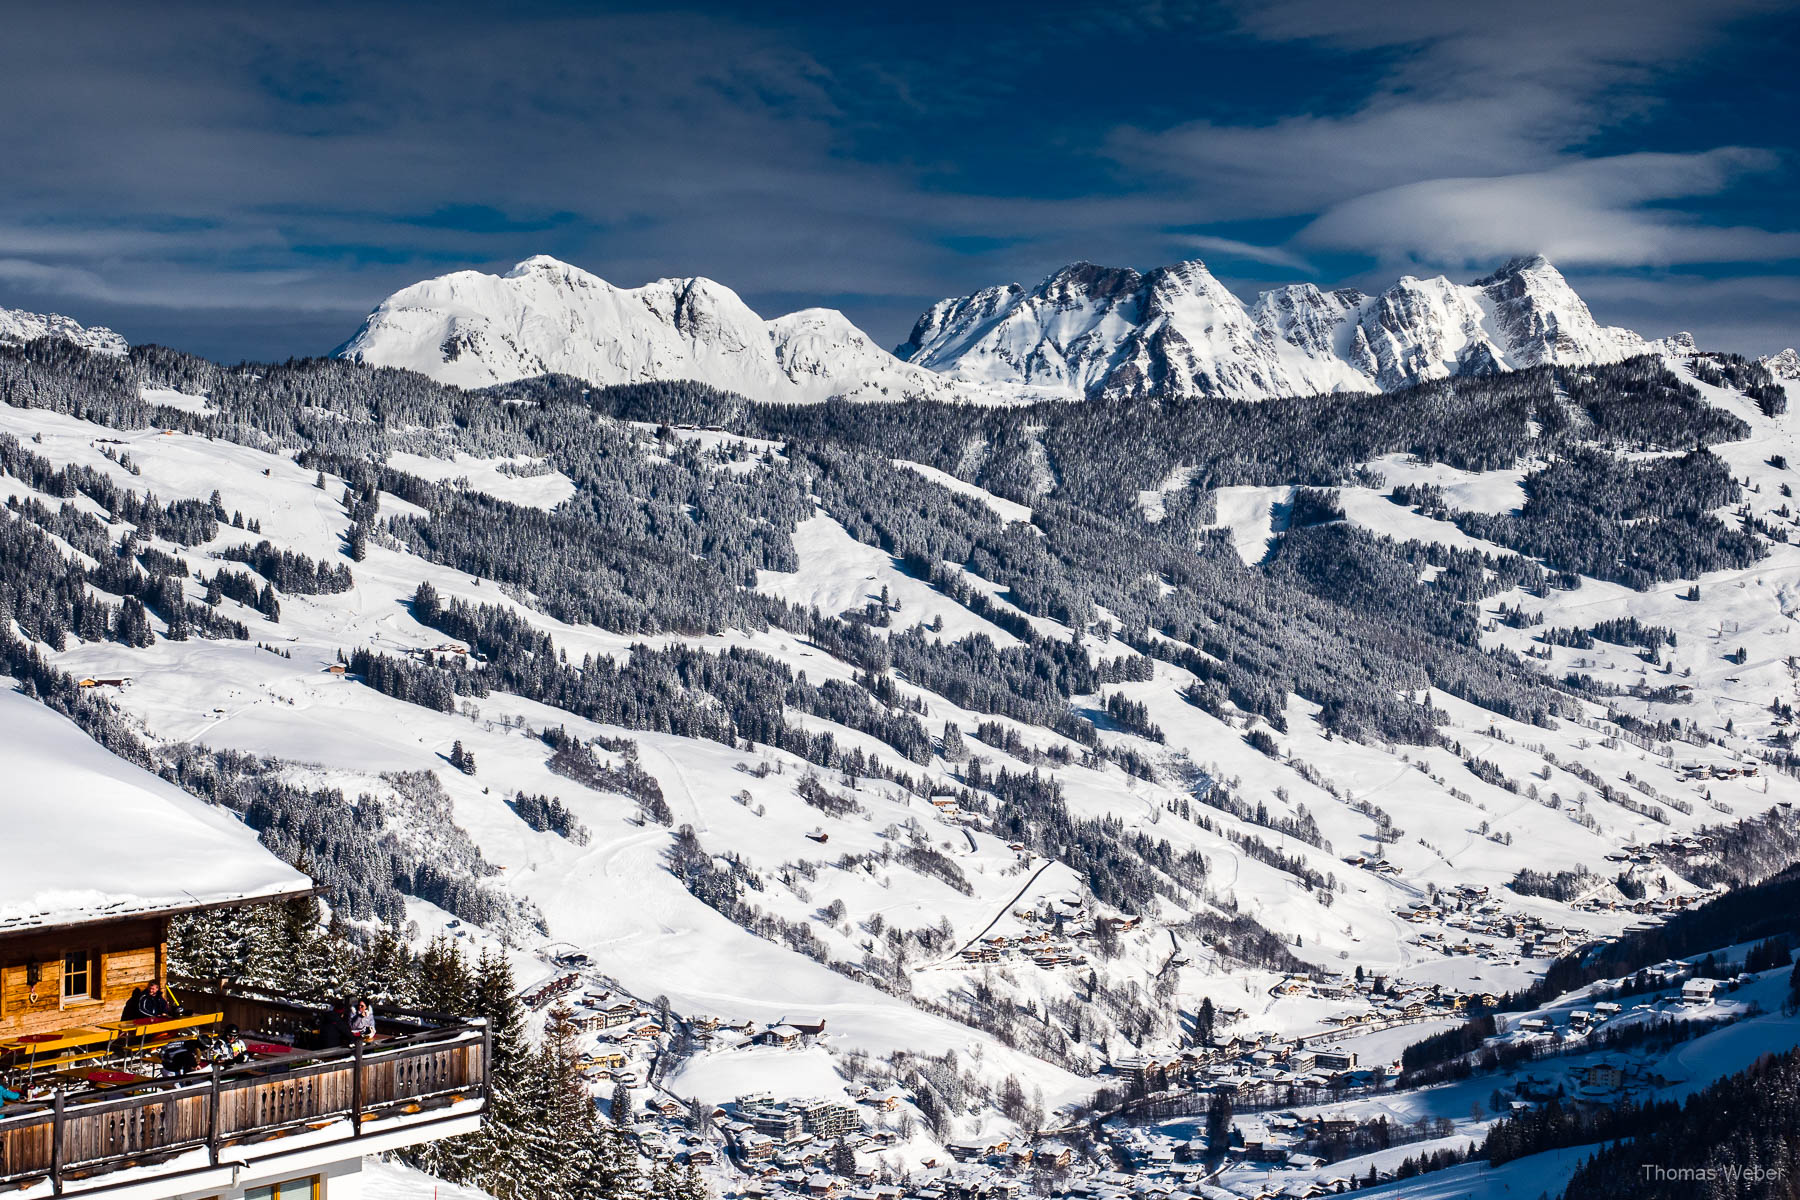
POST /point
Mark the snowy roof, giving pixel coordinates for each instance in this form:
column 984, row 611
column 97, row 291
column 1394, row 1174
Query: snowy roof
column 90, row 837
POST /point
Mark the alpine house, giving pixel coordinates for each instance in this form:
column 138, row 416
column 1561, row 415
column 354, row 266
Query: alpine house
column 100, row 856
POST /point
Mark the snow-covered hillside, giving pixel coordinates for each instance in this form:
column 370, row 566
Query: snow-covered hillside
column 854, row 776
column 18, row 327
column 1099, row 331
column 547, row 317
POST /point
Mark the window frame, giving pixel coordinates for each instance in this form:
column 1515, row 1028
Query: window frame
column 287, row 1189
column 89, row 973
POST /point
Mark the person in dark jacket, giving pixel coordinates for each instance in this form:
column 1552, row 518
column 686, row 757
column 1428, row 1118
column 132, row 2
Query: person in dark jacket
column 334, row 1031
column 181, row 1058
column 231, row 1048
column 153, row 1005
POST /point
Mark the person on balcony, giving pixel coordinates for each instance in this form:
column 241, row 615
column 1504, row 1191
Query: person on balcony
column 224, row 1049
column 334, row 1030
column 149, row 1004
column 181, row 1058
column 230, row 1049
column 362, row 1023
column 7, row 1096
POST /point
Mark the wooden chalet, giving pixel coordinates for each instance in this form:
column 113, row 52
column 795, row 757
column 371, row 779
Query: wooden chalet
column 99, row 857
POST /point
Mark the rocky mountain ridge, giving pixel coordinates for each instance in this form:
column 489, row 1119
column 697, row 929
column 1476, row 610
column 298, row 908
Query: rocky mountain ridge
column 1094, row 331
column 18, row 327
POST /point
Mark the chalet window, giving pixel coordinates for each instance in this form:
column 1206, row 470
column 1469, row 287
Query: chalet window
column 80, row 975
column 304, row 1188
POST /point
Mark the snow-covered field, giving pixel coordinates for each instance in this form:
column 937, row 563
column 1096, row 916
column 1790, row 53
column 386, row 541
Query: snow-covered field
column 528, row 484
column 1253, row 515
column 387, row 1179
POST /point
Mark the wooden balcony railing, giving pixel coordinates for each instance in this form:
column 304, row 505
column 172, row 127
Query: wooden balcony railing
column 78, row 1137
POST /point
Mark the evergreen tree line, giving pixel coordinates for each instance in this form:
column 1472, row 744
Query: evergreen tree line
column 1103, row 453
column 1620, row 631
column 1746, row 375
column 47, row 592
column 184, row 522
column 293, row 573
column 1634, row 523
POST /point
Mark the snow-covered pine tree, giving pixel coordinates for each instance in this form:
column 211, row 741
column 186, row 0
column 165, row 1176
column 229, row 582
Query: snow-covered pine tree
column 566, row 1144
column 620, row 1108
column 445, row 985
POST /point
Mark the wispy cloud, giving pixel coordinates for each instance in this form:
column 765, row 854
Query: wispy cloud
column 1606, row 212
column 1275, row 256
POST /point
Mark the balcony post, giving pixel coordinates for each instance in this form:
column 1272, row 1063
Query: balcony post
column 487, row 1064
column 212, row 1119
column 356, row 1088
column 56, row 1144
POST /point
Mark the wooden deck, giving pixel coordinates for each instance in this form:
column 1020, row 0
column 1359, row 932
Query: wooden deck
column 78, row 1137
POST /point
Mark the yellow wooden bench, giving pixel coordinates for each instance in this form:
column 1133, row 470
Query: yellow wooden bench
column 140, row 1035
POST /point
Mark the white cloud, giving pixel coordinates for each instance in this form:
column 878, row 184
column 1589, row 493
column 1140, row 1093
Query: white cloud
column 1604, row 211
column 1455, row 91
column 1232, row 248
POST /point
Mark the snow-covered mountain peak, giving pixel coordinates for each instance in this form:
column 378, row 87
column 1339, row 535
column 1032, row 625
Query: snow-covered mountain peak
column 1086, row 330
column 18, row 327
column 1544, row 320
column 544, row 264
column 1191, row 278
column 545, row 316
column 1785, row 365
column 1176, row 330
column 1089, row 281
column 1525, row 264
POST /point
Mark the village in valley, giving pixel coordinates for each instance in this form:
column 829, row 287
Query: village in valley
column 1237, row 1112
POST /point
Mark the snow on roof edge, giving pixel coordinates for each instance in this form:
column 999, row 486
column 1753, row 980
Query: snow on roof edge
column 52, row 920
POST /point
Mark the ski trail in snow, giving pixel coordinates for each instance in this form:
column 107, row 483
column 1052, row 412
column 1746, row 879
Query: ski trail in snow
column 1004, row 909
column 700, row 823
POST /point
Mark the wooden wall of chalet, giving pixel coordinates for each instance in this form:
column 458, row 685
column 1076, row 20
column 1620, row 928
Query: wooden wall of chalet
column 130, row 953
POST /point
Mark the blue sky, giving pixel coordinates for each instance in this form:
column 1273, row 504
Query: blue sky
column 247, row 181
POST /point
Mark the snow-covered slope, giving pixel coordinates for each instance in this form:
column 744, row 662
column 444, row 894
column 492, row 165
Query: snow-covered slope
column 18, row 327
column 1090, row 330
column 545, row 316
column 903, row 913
